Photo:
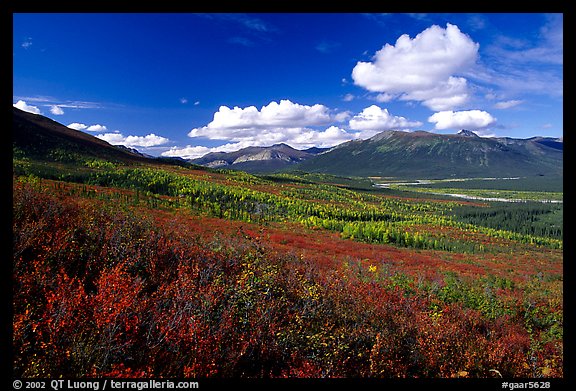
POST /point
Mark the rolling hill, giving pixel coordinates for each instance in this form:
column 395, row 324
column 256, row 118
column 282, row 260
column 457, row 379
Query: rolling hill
column 39, row 137
column 258, row 159
column 42, row 139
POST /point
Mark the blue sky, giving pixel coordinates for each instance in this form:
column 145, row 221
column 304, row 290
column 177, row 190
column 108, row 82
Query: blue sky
column 188, row 84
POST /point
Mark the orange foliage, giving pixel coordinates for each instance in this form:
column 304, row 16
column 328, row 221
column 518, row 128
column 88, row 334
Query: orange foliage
column 103, row 292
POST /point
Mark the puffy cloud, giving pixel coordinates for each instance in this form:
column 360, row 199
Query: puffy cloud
column 187, row 152
column 91, row 128
column 471, row 119
column 117, row 138
column 384, row 97
column 26, row 107
column 301, row 139
column 284, row 122
column 150, row 140
column 342, row 116
column 421, row 69
column 77, row 126
column 287, row 122
column 375, row 118
column 328, row 138
column 96, row 128
column 283, row 114
column 56, row 110
column 445, row 95
column 196, row 151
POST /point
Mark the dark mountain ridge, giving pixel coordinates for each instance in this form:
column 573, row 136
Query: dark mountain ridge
column 422, row 154
column 40, row 137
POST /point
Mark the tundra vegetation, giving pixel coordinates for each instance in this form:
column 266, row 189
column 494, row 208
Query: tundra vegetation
column 142, row 270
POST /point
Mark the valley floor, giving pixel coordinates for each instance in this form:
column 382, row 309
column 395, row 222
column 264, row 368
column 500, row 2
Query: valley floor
column 111, row 282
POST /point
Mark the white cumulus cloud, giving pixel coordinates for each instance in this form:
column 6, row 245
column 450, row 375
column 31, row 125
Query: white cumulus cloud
column 423, row 69
column 117, row 138
column 77, row 126
column 283, row 114
column 150, row 140
column 26, row 107
column 96, row 128
column 470, row 119
column 187, row 152
column 348, row 98
column 56, row 110
column 302, row 138
column 329, row 137
column 300, row 126
column 378, row 119
column 283, row 122
column 384, row 97
column 91, row 128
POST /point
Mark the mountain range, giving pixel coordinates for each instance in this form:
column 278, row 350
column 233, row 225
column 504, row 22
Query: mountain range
column 259, row 159
column 400, row 154
column 421, row 154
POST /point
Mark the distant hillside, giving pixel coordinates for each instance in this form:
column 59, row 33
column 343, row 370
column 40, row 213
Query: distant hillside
column 41, row 138
column 423, row 154
column 258, row 159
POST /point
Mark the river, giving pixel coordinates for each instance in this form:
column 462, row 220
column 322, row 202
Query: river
column 464, row 196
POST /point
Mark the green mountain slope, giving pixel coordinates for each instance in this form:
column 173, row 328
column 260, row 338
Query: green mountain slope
column 41, row 138
column 427, row 155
